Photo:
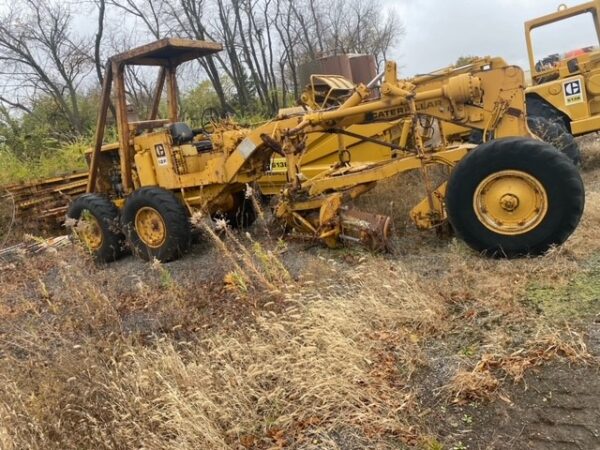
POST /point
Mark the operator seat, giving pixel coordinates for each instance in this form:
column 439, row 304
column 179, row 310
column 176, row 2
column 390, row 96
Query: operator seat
column 181, row 133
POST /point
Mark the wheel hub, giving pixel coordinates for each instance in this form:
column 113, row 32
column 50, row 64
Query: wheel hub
column 90, row 231
column 150, row 227
column 510, row 202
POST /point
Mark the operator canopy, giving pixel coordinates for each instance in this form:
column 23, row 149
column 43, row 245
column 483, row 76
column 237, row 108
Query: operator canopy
column 167, row 52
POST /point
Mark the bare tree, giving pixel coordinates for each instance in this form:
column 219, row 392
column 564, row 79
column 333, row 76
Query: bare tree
column 140, row 85
column 360, row 26
column 188, row 19
column 149, row 12
column 98, row 40
column 289, row 40
column 40, row 52
column 265, row 41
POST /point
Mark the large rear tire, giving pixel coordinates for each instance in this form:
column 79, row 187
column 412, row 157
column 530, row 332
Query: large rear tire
column 536, row 107
column 554, row 134
column 242, row 215
column 156, row 224
column 514, row 197
column 96, row 223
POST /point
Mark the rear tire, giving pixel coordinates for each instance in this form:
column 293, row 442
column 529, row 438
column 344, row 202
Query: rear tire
column 548, row 131
column 242, row 214
column 513, row 197
column 554, row 134
column 97, row 225
column 538, row 108
column 156, row 224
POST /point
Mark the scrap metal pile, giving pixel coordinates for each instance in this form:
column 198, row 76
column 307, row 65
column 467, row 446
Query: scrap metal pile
column 42, row 204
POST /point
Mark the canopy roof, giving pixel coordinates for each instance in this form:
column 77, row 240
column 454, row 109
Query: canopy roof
column 167, row 52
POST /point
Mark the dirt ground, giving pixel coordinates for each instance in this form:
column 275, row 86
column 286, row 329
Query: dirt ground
column 430, row 347
column 555, row 407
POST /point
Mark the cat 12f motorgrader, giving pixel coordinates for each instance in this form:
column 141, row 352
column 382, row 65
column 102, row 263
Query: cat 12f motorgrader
column 565, row 84
column 509, row 196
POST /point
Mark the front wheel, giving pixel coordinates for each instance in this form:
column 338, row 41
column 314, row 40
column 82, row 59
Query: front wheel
column 513, row 197
column 156, row 224
column 96, row 223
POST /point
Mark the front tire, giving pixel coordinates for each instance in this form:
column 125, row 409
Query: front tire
column 513, row 197
column 156, row 224
column 97, row 221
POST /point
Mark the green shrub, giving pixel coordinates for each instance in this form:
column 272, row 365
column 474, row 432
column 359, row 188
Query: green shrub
column 67, row 159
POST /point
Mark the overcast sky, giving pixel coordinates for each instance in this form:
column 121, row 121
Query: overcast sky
column 439, row 31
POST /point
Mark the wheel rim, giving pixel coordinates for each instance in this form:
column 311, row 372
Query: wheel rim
column 510, row 202
column 150, row 227
column 90, row 231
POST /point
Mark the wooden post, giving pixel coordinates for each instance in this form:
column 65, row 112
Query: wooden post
column 122, row 126
column 172, row 93
column 157, row 93
column 100, row 126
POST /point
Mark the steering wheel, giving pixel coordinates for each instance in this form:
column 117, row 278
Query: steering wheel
column 209, row 116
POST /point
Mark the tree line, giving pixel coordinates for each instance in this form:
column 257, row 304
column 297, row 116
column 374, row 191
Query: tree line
column 52, row 55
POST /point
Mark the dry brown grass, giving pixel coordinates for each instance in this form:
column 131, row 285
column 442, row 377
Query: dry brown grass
column 483, row 380
column 321, row 349
column 76, row 377
column 7, row 220
column 397, row 196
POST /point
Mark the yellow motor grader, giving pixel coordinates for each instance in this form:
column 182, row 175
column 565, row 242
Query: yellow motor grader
column 373, row 141
column 509, row 196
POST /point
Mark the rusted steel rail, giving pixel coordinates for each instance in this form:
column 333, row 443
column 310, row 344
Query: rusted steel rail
column 42, row 204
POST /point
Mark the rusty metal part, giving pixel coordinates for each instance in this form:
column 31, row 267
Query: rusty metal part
column 370, row 230
column 37, row 246
column 42, row 204
column 426, row 215
column 272, row 144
